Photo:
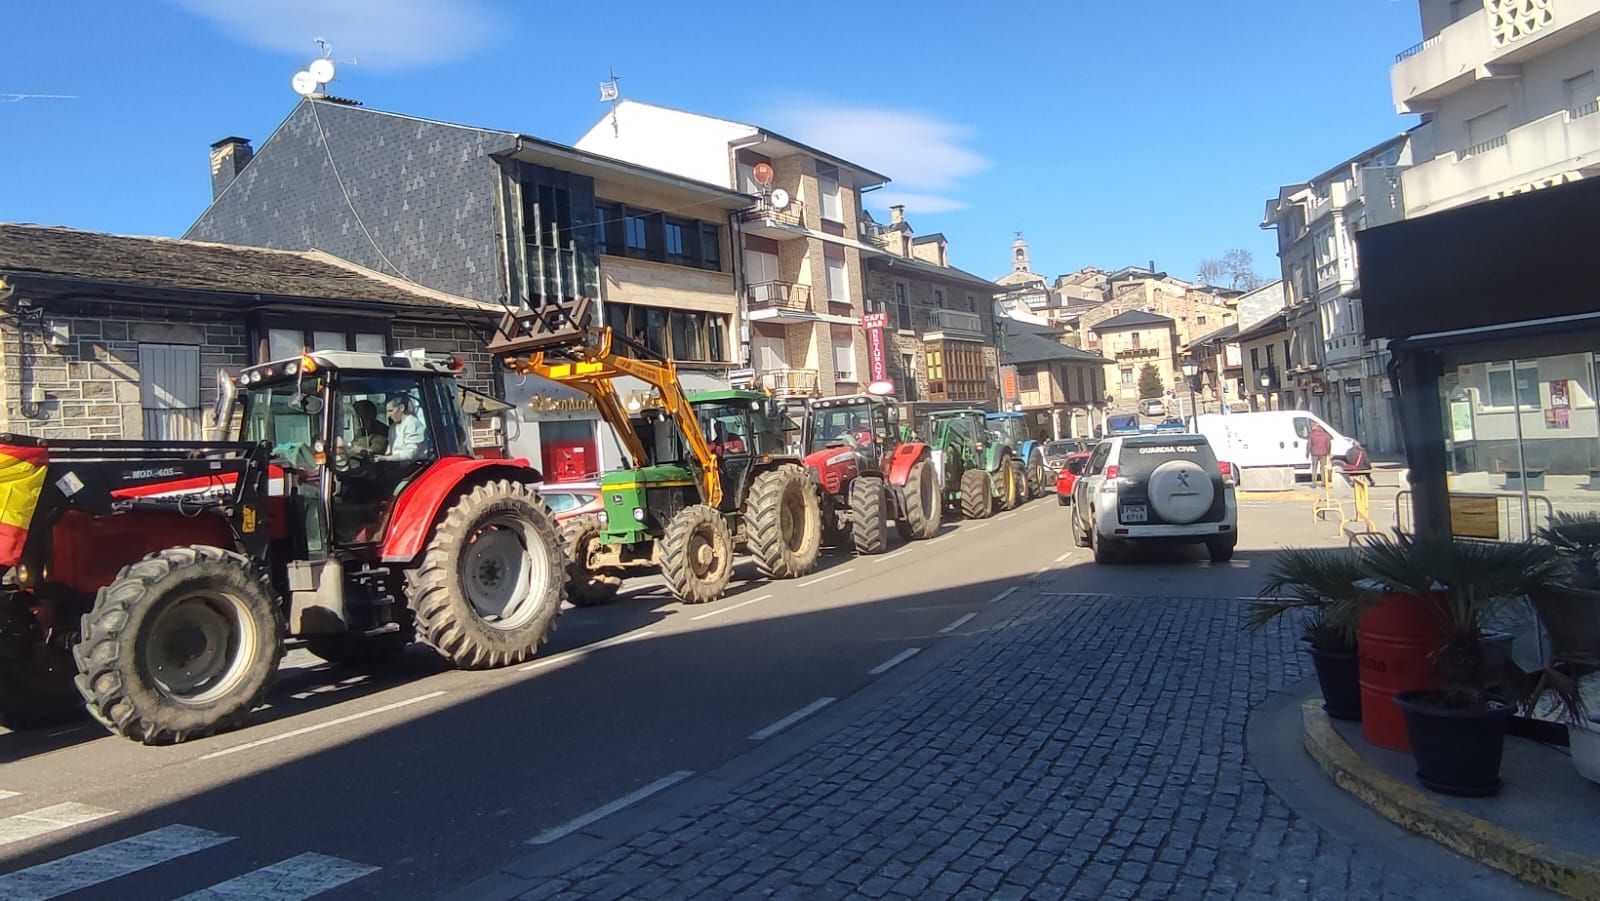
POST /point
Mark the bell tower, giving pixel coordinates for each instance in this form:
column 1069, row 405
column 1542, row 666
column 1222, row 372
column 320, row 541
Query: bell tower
column 1019, row 255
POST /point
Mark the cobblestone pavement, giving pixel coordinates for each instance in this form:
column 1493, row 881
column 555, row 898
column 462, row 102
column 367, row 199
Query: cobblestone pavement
column 1087, row 746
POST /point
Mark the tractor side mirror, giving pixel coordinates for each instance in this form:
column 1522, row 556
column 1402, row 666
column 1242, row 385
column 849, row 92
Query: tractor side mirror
column 309, row 404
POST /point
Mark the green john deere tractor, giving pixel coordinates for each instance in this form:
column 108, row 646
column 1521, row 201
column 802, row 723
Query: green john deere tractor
column 980, row 473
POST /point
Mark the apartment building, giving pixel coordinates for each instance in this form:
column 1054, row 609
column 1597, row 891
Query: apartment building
column 503, row 218
column 800, row 252
column 1194, row 309
column 1263, row 349
column 1132, row 340
column 1062, row 389
column 941, row 320
column 1332, row 369
column 1508, row 92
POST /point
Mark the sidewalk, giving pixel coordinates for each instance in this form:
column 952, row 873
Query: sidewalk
column 1075, row 746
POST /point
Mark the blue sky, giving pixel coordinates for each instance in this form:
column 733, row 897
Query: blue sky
column 1110, row 133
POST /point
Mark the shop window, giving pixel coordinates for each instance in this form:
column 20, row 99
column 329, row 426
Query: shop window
column 1527, row 385
column 684, row 335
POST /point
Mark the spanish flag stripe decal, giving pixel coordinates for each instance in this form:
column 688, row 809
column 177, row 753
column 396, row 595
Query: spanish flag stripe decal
column 22, row 472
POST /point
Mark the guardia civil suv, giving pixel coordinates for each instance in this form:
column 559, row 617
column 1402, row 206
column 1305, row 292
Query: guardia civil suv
column 1155, row 489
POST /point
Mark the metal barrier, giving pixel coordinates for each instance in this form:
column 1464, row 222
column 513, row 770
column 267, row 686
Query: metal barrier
column 1471, row 515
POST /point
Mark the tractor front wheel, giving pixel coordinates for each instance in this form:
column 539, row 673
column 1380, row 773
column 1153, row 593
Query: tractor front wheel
column 869, row 525
column 1036, row 476
column 783, row 522
column 921, row 502
column 587, row 584
column 697, row 555
column 977, row 498
column 490, row 581
column 1018, row 490
column 181, row 644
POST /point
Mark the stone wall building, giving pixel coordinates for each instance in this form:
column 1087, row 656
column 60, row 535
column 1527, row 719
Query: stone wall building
column 1131, row 340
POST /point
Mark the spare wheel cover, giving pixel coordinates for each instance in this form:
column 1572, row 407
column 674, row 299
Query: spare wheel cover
column 1181, row 491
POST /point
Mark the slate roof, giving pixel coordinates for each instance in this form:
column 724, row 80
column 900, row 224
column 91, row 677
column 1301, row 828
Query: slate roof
column 1277, row 322
column 1226, row 333
column 250, row 274
column 1133, row 318
column 1026, row 343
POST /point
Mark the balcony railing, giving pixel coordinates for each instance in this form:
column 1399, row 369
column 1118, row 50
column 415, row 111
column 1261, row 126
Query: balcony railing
column 1417, row 48
column 955, row 323
column 1486, row 146
column 789, row 382
column 1138, row 353
column 777, row 295
column 1588, row 109
column 792, row 214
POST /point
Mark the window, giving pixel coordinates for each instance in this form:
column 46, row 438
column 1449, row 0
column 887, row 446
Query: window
column 654, row 328
column 674, row 239
column 844, row 357
column 938, row 298
column 1255, row 358
column 604, row 216
column 717, row 338
column 169, row 391
column 1082, row 394
column 908, row 367
column 1127, row 379
column 1286, row 357
column 283, row 343
column 902, row 305
column 1027, row 379
column 1271, row 348
column 710, row 248
column 688, row 335
column 838, row 282
column 1527, row 385
column 371, row 344
column 1580, row 90
column 1200, row 320
column 685, row 335
column 1484, row 128
column 1135, row 337
column 328, row 341
column 828, row 187
column 637, row 239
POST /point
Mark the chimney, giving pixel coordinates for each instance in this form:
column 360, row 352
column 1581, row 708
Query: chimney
column 897, row 214
column 229, row 156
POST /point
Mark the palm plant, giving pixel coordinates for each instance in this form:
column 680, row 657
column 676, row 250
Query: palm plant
column 1577, row 536
column 1323, row 582
column 1463, row 581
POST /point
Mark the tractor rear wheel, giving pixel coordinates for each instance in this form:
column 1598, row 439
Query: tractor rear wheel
column 697, row 555
column 783, row 522
column 353, row 649
column 181, row 644
column 35, row 686
column 869, row 524
column 977, row 498
column 1019, row 489
column 490, row 581
column 1036, row 476
column 587, row 585
column 921, row 503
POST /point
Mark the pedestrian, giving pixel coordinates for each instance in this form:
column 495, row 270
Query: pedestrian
column 1357, row 465
column 1318, row 446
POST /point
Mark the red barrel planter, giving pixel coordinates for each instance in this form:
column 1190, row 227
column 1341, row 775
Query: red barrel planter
column 1396, row 639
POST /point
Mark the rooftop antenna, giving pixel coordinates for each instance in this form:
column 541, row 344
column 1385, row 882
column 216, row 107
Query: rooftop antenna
column 312, row 81
column 610, row 93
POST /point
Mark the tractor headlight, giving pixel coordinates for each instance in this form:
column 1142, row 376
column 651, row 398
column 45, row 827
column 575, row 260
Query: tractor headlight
column 603, row 518
column 291, row 368
column 24, row 575
column 638, row 514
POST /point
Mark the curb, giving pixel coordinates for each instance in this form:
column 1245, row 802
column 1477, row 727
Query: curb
column 1555, row 869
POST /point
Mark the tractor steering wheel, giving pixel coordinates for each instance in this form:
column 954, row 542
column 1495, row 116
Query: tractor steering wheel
column 353, row 464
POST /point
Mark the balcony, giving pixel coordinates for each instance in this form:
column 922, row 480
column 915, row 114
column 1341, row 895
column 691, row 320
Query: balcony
column 1544, row 152
column 789, row 382
column 777, row 301
column 1138, row 353
column 954, row 325
column 768, row 221
column 1489, row 43
column 1341, row 348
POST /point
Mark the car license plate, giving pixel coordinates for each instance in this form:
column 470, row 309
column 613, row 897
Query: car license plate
column 1135, row 513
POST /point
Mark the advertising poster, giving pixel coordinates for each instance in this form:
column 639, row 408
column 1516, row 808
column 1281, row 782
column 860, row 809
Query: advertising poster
column 1556, row 416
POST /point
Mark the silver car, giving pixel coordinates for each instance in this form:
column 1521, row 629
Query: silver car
column 1155, row 489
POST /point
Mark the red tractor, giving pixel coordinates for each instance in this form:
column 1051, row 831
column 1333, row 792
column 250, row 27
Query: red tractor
column 869, row 473
column 157, row 581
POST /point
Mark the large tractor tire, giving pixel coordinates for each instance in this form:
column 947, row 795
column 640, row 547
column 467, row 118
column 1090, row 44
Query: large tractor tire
column 977, row 497
column 587, row 585
column 1018, row 491
column 1038, row 483
column 181, row 644
column 490, row 581
column 869, row 521
column 36, row 684
column 697, row 555
column 352, row 649
column 922, row 503
column 783, row 522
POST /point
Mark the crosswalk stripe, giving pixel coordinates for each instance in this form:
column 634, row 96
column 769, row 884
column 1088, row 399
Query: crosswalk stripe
column 24, row 826
column 106, row 862
column 7, row 794
column 302, row 876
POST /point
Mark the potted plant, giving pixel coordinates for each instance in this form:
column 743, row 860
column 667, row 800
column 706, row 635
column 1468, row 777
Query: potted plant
column 1571, row 612
column 1457, row 730
column 1321, row 582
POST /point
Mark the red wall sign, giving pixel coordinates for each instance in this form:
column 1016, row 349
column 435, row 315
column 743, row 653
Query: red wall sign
column 877, row 355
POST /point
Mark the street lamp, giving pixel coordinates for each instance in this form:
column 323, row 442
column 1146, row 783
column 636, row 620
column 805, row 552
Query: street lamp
column 1190, row 370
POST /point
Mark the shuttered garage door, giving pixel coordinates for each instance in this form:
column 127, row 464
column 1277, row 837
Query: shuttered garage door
column 169, row 391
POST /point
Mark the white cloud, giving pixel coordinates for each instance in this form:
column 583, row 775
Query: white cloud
column 927, row 157
column 382, row 34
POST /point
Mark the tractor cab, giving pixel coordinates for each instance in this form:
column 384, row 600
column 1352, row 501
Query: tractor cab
column 1010, row 428
column 743, row 429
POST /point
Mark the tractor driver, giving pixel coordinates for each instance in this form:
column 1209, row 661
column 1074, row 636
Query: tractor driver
column 372, row 436
column 407, row 435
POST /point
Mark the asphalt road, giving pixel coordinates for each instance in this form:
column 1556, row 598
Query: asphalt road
column 412, row 782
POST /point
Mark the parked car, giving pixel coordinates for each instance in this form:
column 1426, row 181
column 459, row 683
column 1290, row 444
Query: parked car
column 1155, row 489
column 1268, row 438
column 1056, row 452
column 570, row 499
column 1070, row 467
column 1171, row 424
column 1153, row 406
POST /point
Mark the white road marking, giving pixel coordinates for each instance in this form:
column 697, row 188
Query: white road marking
column 940, row 538
column 893, row 662
column 962, row 621
column 979, row 525
column 107, row 862
column 1042, row 570
column 302, row 876
column 728, row 608
column 884, row 558
column 24, row 826
column 296, row 733
column 600, row 813
column 1063, row 557
column 1003, row 595
column 791, row 719
column 67, row 731
column 579, row 652
column 7, row 794
column 837, row 572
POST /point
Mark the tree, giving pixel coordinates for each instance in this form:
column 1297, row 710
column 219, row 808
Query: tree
column 1150, row 381
column 1235, row 269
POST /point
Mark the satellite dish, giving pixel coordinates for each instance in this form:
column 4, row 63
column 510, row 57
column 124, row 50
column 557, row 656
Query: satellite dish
column 780, row 198
column 762, row 173
column 321, row 70
column 304, row 84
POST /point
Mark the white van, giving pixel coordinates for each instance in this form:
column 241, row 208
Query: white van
column 1270, row 438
